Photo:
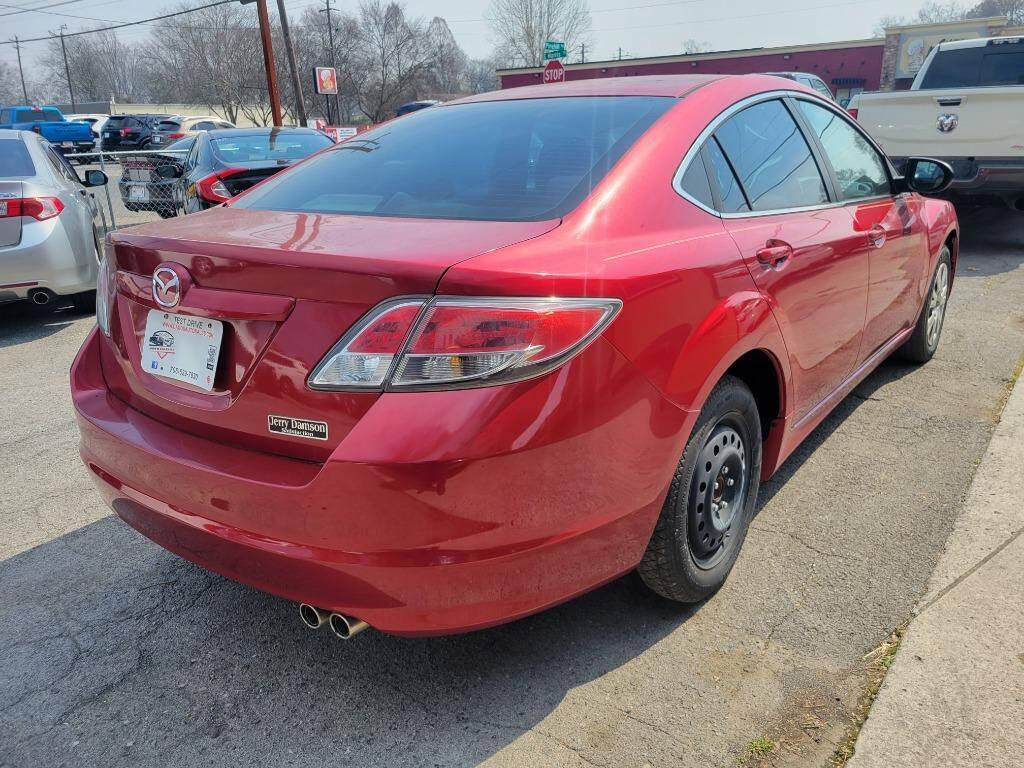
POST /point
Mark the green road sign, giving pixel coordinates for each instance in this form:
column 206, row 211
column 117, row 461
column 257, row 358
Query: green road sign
column 554, row 50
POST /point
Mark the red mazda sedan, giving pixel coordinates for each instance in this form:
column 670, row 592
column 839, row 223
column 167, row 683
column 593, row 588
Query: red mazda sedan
column 493, row 354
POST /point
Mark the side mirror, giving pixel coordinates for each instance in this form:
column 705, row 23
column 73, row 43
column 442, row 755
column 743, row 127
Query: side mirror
column 168, row 171
column 927, row 176
column 95, row 179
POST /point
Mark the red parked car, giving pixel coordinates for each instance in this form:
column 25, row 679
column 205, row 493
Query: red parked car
column 487, row 357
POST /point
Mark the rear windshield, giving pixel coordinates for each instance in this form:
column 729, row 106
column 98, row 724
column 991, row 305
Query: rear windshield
column 999, row 62
column 254, row 148
column 168, row 125
column 38, row 116
column 14, row 159
column 517, row 160
column 114, row 121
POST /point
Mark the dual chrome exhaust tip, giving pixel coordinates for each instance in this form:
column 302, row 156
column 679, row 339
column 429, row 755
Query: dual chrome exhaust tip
column 345, row 627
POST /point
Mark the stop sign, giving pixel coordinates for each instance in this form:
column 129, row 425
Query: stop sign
column 554, row 72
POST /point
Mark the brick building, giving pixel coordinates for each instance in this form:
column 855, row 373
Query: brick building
column 847, row 67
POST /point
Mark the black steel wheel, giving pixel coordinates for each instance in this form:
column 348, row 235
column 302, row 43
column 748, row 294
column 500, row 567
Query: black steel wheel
column 711, row 499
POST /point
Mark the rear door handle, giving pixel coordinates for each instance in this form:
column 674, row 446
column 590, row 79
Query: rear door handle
column 774, row 253
column 876, row 236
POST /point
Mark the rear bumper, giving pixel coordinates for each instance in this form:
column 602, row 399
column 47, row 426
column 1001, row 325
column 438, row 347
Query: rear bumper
column 540, row 504
column 44, row 258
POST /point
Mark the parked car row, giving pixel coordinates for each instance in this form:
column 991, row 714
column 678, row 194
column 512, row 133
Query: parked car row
column 207, row 167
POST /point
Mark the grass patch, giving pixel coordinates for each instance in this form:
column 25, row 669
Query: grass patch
column 879, row 661
column 1017, row 371
column 759, row 747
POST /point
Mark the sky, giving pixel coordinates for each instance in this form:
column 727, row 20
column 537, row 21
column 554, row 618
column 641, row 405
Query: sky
column 639, row 27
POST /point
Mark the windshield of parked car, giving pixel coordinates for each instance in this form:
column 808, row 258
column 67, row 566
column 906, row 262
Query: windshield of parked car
column 39, row 116
column 516, row 160
column 998, row 62
column 14, row 159
column 274, row 145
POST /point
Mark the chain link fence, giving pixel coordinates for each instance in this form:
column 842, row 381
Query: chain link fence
column 141, row 186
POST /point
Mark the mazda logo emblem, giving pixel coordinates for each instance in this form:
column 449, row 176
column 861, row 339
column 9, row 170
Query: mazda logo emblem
column 166, row 287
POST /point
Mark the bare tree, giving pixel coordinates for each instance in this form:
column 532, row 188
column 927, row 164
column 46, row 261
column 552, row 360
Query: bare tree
column 390, row 59
column 446, row 74
column 10, row 85
column 932, row 12
column 693, row 46
column 482, row 76
column 521, row 27
column 101, row 67
column 1012, row 9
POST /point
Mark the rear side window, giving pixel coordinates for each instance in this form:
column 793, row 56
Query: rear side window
column 695, row 183
column 999, row 62
column 771, row 158
column 15, row 159
column 515, row 160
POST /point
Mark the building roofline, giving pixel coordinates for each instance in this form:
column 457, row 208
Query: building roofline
column 990, row 21
column 709, row 56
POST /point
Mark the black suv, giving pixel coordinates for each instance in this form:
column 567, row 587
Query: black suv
column 130, row 131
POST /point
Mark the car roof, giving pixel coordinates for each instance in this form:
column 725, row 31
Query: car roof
column 642, row 85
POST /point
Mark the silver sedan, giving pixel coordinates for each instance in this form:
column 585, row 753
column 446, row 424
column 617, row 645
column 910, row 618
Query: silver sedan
column 49, row 243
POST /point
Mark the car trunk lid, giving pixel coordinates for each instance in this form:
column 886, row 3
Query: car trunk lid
column 286, row 287
column 10, row 224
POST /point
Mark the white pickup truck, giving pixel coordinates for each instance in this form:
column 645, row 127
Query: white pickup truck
column 966, row 107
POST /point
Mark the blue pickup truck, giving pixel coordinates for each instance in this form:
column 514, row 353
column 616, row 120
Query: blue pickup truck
column 49, row 122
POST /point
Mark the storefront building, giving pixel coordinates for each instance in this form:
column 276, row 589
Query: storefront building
column 847, row 67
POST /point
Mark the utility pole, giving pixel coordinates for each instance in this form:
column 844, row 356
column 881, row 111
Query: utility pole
column 620, row 53
column 583, row 53
column 24, row 90
column 67, row 71
column 300, row 102
column 330, row 38
column 268, row 62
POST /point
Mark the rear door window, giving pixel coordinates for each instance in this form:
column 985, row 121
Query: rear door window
column 771, row 158
column 858, row 167
column 15, row 159
column 514, row 160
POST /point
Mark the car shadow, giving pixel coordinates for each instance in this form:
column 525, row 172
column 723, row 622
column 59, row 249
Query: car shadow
column 109, row 640
column 22, row 322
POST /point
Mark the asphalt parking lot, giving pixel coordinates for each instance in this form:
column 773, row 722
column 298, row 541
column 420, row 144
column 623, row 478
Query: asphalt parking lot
column 115, row 652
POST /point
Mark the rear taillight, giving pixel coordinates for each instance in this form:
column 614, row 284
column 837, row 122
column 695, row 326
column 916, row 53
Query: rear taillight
column 853, row 112
column 448, row 343
column 126, row 132
column 36, row 129
column 39, row 208
column 212, row 188
column 178, row 135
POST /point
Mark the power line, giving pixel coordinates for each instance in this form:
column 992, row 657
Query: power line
column 125, row 24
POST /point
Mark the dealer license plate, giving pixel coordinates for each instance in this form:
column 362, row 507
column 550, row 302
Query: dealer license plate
column 181, row 347
column 138, row 194
column 67, row 144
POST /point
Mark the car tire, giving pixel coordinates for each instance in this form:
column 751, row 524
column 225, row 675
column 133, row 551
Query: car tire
column 923, row 342
column 696, row 540
column 85, row 301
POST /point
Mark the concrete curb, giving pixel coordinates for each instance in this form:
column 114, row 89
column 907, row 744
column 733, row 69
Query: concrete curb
column 955, row 694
